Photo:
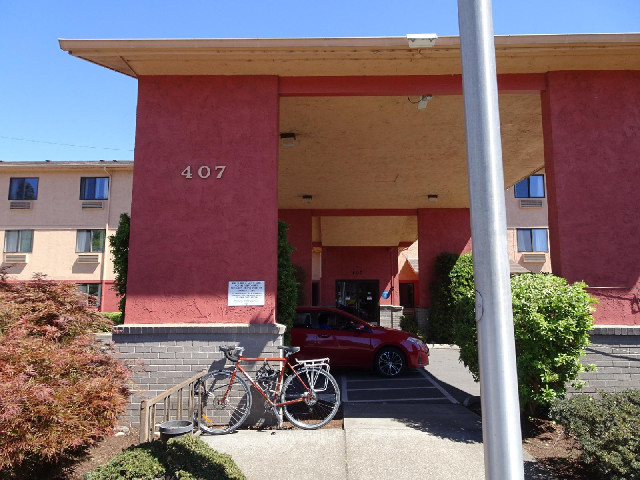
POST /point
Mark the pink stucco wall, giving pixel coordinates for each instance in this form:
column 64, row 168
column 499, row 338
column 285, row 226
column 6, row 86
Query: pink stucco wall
column 191, row 237
column 440, row 230
column 591, row 123
column 359, row 263
column 299, row 236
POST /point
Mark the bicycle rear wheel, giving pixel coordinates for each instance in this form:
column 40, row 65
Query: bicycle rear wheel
column 224, row 404
column 320, row 398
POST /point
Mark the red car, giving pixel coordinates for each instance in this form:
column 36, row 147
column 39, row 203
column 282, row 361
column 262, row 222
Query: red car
column 351, row 342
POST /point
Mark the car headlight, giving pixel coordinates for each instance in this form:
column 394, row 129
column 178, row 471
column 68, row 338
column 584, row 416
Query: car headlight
column 415, row 341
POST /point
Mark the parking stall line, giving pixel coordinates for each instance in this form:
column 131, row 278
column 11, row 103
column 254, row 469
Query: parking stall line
column 438, row 386
column 387, row 389
column 403, row 400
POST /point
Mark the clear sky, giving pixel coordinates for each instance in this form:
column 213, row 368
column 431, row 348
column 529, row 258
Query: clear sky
column 57, row 107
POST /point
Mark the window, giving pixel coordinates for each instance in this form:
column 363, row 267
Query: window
column 93, row 292
column 18, row 241
column 532, row 240
column 90, row 241
column 23, row 189
column 94, row 188
column 532, row 187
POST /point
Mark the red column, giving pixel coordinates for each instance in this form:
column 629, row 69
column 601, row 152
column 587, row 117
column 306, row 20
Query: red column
column 591, row 124
column 440, row 230
column 299, row 236
column 204, row 208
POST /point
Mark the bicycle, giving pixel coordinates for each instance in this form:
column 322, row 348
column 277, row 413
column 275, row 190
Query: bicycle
column 309, row 396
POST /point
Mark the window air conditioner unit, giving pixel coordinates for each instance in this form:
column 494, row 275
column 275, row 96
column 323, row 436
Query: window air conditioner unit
column 89, row 258
column 534, row 257
column 93, row 204
column 530, row 203
column 20, row 205
column 15, row 258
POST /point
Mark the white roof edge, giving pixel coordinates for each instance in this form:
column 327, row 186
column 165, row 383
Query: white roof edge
column 311, row 42
column 61, row 164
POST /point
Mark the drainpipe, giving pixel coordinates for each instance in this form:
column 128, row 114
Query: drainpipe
column 106, row 242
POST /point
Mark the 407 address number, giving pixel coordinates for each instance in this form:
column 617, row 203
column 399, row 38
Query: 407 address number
column 204, row 171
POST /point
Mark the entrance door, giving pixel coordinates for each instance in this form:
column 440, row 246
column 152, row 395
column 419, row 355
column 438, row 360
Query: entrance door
column 359, row 298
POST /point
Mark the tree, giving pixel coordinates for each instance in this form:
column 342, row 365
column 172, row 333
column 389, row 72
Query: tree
column 287, row 296
column 61, row 389
column 119, row 244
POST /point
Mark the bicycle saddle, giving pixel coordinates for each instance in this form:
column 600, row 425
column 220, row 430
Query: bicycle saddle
column 289, row 349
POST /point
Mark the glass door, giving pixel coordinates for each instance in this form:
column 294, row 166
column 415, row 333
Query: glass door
column 359, row 298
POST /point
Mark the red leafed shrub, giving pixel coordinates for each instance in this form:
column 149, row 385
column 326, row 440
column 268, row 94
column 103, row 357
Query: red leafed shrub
column 60, row 390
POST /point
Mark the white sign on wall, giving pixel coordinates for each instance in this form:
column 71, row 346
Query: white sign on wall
column 243, row 294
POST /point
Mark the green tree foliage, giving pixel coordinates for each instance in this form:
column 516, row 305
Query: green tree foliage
column 61, row 390
column 287, row 284
column 186, row 457
column 608, row 428
column 119, row 244
column 449, row 292
column 552, row 322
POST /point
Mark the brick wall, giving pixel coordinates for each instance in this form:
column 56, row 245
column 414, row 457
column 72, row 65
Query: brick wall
column 615, row 350
column 163, row 355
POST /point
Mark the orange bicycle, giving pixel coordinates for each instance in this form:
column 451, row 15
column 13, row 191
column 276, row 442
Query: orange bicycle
column 309, row 396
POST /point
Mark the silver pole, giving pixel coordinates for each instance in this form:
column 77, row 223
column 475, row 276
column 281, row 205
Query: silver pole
column 494, row 317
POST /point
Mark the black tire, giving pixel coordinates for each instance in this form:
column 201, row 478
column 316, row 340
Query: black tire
column 321, row 398
column 224, row 406
column 389, row 362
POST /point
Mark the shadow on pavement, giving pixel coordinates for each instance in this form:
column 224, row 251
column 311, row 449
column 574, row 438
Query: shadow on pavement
column 452, row 422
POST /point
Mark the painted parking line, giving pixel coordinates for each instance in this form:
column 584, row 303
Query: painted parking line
column 414, row 386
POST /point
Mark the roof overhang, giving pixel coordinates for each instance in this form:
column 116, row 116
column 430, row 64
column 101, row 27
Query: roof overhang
column 353, row 56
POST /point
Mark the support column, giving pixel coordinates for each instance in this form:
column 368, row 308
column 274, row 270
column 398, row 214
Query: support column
column 440, row 230
column 204, row 209
column 591, row 125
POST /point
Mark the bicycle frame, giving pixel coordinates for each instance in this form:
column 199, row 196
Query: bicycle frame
column 272, row 402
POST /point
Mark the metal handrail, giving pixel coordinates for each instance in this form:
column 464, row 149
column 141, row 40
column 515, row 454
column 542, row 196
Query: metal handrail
column 148, row 406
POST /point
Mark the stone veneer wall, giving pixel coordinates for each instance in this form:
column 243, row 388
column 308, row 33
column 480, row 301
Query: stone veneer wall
column 390, row 316
column 164, row 355
column 615, row 350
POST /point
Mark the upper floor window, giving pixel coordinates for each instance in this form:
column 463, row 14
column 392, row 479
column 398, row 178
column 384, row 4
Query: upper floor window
column 94, row 188
column 90, row 241
column 18, row 241
column 532, row 187
column 23, row 189
column 532, row 240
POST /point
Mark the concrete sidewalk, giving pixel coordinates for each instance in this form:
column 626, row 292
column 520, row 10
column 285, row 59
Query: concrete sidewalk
column 379, row 440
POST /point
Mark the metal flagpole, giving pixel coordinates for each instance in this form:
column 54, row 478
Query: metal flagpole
column 494, row 316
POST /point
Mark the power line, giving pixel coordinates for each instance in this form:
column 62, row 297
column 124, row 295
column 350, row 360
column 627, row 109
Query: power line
column 65, row 144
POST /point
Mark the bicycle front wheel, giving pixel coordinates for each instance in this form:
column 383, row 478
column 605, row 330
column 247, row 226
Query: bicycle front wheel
column 225, row 402
column 316, row 398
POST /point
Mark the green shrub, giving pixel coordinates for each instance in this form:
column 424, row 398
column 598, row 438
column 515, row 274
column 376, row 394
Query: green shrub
column 552, row 321
column 608, row 428
column 186, row 457
column 410, row 324
column 115, row 317
column 287, row 297
column 453, row 281
column 61, row 390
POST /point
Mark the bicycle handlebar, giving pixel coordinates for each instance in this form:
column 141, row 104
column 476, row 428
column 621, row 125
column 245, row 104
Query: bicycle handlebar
column 230, row 352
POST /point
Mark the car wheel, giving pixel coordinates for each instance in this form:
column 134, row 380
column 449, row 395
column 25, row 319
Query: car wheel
column 389, row 362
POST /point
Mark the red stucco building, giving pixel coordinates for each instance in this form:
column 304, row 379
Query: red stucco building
column 326, row 135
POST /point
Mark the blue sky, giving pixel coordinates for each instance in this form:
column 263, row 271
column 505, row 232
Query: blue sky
column 56, row 107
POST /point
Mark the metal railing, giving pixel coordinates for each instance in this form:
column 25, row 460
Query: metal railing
column 172, row 401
